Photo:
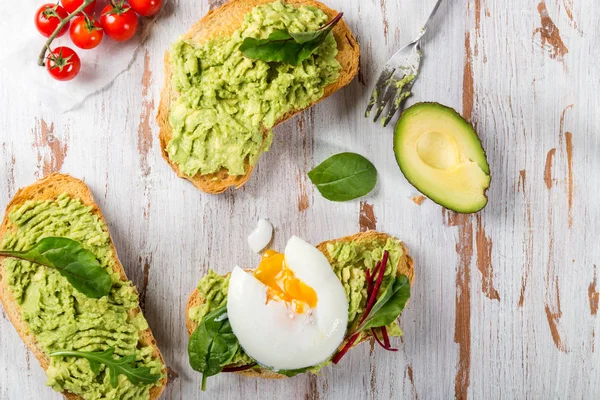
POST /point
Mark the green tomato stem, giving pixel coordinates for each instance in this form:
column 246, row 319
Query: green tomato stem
column 62, row 23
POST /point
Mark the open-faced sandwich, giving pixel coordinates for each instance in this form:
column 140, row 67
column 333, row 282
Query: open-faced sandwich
column 237, row 73
column 67, row 295
column 302, row 310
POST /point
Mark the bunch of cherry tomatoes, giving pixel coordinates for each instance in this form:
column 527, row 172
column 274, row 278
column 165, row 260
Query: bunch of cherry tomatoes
column 119, row 20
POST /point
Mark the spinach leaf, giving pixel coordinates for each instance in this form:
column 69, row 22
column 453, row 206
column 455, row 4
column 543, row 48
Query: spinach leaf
column 389, row 307
column 288, row 47
column 212, row 345
column 122, row 366
column 344, row 176
column 71, row 260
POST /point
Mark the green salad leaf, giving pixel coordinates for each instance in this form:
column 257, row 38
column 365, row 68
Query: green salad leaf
column 288, row 47
column 122, row 366
column 344, row 176
column 385, row 311
column 80, row 266
column 390, row 305
column 212, row 345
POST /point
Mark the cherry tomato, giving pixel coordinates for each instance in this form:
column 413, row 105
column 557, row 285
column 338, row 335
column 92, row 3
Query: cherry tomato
column 146, row 8
column 86, row 32
column 72, row 5
column 119, row 21
column 48, row 17
column 63, row 64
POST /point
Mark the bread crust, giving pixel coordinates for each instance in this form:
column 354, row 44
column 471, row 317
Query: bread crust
column 405, row 267
column 224, row 21
column 49, row 188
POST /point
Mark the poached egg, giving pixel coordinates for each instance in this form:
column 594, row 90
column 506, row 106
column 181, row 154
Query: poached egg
column 291, row 312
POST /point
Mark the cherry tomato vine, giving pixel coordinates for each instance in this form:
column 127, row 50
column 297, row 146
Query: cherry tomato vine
column 61, row 25
column 119, row 20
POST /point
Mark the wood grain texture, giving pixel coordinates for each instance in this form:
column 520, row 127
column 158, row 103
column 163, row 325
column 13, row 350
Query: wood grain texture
column 506, row 302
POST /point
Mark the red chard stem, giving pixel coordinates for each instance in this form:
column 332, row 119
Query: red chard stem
column 332, row 22
column 373, row 297
column 374, row 332
column 386, row 339
column 345, row 349
column 240, row 368
column 372, row 290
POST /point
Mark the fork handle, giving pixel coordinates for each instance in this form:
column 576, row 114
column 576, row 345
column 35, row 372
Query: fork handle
column 426, row 25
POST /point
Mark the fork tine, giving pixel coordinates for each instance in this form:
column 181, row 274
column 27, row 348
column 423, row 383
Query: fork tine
column 379, row 89
column 396, row 104
column 390, row 91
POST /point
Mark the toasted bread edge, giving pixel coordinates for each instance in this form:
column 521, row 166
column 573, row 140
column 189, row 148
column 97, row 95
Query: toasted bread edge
column 49, row 188
column 225, row 20
column 405, row 267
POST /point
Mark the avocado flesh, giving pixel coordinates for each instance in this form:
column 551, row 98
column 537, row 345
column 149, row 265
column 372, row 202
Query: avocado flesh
column 441, row 155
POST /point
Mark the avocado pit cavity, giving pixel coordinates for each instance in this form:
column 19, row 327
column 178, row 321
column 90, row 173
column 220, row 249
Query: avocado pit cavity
column 438, row 150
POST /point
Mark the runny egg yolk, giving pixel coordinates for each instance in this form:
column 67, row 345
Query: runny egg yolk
column 282, row 284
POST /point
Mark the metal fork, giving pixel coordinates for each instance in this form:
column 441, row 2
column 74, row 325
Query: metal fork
column 398, row 75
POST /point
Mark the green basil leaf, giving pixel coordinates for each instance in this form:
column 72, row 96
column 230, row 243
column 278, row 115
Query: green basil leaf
column 122, row 366
column 288, row 47
column 389, row 307
column 344, row 176
column 212, row 345
column 71, row 260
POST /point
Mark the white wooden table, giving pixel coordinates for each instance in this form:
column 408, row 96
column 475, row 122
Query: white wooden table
column 505, row 303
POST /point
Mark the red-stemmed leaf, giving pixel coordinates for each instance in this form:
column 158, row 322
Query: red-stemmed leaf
column 336, row 359
column 378, row 312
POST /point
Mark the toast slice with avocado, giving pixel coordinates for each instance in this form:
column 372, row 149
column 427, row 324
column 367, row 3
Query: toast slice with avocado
column 370, row 241
column 60, row 205
column 224, row 21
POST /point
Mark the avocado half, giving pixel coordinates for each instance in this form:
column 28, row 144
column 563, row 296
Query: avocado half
column 441, row 155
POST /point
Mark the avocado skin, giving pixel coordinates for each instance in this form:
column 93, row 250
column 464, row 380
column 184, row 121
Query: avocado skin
column 438, row 198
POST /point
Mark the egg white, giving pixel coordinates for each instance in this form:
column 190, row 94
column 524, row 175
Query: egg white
column 273, row 333
column 260, row 236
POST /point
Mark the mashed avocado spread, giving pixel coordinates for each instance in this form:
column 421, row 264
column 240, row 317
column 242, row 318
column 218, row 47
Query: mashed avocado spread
column 60, row 317
column 227, row 100
column 349, row 261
